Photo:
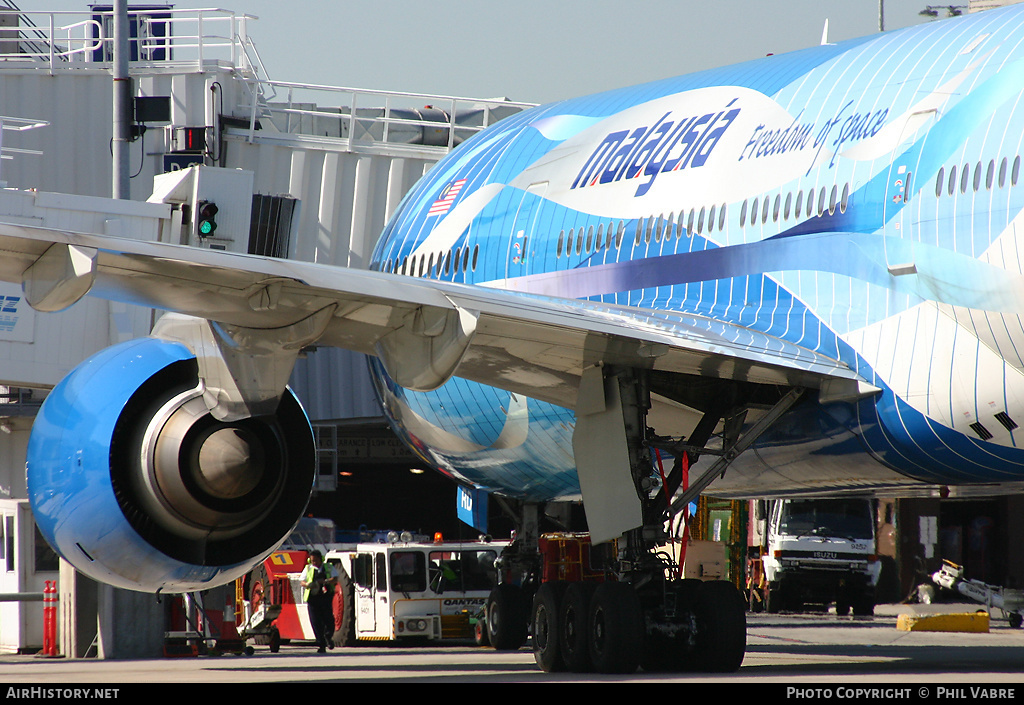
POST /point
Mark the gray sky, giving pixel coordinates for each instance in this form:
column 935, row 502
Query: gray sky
column 532, row 50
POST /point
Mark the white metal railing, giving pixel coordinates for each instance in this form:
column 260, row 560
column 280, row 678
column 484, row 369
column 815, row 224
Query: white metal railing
column 66, row 39
column 15, row 124
column 367, row 115
column 188, row 40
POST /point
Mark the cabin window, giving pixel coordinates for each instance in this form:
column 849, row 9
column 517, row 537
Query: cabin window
column 753, row 211
column 408, row 571
column 448, row 263
column 965, row 177
column 845, row 201
column 639, row 231
column 600, row 236
column 711, row 219
column 465, row 259
column 1015, row 172
column 810, row 202
column 476, row 255
column 619, row 234
column 458, row 258
column 977, row 176
column 721, row 217
column 700, row 221
column 561, row 242
column 990, row 174
column 362, row 570
column 788, row 206
column 743, row 214
column 1002, row 172
column 776, row 208
column 821, row 201
column 590, row 237
column 799, row 203
column 764, row 210
column 951, row 185
column 939, row 181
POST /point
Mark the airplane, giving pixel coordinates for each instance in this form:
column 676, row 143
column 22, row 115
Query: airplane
column 800, row 275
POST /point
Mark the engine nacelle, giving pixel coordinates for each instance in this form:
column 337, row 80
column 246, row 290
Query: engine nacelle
column 137, row 485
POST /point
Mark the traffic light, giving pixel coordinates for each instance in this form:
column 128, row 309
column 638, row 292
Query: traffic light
column 206, row 223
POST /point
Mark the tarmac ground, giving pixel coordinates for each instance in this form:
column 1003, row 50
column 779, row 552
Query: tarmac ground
column 813, row 650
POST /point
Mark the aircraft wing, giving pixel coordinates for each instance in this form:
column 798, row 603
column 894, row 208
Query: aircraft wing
column 423, row 330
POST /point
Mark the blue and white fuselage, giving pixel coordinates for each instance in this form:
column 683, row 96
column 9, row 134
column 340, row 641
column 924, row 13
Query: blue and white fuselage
column 858, row 200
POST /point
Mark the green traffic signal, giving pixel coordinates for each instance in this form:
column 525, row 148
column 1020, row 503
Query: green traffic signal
column 205, row 219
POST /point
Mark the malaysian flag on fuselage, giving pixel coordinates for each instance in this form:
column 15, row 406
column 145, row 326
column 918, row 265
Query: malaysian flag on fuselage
column 448, row 196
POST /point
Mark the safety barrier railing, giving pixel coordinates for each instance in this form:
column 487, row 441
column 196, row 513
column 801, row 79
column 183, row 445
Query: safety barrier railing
column 188, row 40
column 366, row 115
column 63, row 40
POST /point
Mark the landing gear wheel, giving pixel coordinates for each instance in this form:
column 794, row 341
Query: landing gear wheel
column 546, row 609
column 721, row 627
column 344, row 610
column 506, row 617
column 275, row 641
column 1015, row 619
column 670, row 653
column 573, row 630
column 616, row 628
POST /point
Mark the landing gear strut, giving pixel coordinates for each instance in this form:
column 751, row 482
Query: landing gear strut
column 640, row 612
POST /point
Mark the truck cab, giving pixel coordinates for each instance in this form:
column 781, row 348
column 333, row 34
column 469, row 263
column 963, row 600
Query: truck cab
column 413, row 590
column 820, row 551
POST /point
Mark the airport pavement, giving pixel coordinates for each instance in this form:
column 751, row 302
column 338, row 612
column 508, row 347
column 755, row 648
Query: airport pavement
column 782, row 649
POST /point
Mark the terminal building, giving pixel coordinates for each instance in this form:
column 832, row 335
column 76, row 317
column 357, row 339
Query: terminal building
column 296, row 171
column 310, row 173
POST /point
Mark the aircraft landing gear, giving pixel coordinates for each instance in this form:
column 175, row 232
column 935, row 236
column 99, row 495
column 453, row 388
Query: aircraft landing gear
column 639, row 613
column 613, row 627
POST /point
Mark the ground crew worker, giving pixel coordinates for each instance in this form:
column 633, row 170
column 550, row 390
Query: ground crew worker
column 318, row 581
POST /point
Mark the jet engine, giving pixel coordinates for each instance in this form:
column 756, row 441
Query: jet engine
column 137, row 485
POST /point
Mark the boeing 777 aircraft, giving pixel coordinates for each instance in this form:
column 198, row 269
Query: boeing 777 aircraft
column 798, row 275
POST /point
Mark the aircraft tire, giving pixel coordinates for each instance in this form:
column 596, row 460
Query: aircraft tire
column 545, row 626
column 616, row 628
column 721, row 627
column 573, row 630
column 507, row 619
